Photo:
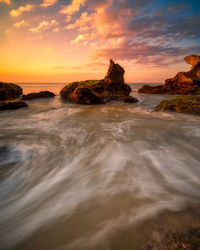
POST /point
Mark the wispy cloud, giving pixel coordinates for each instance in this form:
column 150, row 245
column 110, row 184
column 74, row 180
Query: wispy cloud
column 45, row 25
column 47, row 3
column 73, row 7
column 21, row 9
column 21, row 24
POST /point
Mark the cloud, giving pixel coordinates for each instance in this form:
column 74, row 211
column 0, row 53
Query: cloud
column 73, row 7
column 45, row 25
column 133, row 30
column 47, row 3
column 144, row 53
column 21, row 24
column 5, row 1
column 21, row 9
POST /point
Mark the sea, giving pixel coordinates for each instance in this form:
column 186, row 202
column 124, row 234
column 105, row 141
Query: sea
column 101, row 177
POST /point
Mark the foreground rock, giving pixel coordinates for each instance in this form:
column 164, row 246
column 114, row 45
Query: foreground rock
column 8, row 105
column 9, row 91
column 181, row 104
column 100, row 91
column 184, row 83
column 41, row 94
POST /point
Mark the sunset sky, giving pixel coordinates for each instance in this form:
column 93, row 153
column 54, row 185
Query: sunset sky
column 65, row 40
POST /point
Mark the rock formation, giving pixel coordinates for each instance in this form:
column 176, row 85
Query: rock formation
column 41, row 94
column 181, row 104
column 8, row 105
column 184, row 83
column 115, row 73
column 9, row 91
column 100, row 91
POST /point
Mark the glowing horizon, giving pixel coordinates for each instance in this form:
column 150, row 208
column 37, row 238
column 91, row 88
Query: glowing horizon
column 64, row 41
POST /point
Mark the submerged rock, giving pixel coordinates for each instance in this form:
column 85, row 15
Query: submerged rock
column 9, row 91
column 181, row 104
column 41, row 94
column 100, row 91
column 184, row 83
column 7, row 105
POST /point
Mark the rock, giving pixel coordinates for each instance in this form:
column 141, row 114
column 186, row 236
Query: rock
column 184, row 83
column 7, row 105
column 193, row 60
column 115, row 73
column 181, row 104
column 41, row 94
column 9, row 91
column 100, row 91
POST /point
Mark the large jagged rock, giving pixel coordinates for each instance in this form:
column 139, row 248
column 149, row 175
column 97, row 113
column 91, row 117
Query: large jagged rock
column 184, row 83
column 8, row 105
column 181, row 104
column 41, row 94
column 100, row 91
column 115, row 73
column 9, row 91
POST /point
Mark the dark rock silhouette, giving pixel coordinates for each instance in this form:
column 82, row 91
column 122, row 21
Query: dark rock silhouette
column 8, row 105
column 41, row 94
column 184, row 83
column 181, row 104
column 115, row 73
column 100, row 91
column 9, row 91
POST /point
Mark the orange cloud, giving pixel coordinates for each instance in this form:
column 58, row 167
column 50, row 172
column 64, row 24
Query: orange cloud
column 21, row 24
column 47, row 3
column 83, row 37
column 5, row 1
column 21, row 9
column 73, row 7
column 44, row 25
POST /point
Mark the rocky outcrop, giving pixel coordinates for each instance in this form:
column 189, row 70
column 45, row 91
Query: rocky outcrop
column 9, row 91
column 181, row 104
column 115, row 73
column 100, row 91
column 8, row 105
column 41, row 94
column 184, row 83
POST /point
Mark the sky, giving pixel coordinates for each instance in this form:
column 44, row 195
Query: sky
column 71, row 40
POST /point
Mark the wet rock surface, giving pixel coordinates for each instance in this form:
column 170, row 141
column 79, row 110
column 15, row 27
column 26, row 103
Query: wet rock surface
column 41, row 94
column 9, row 91
column 181, row 104
column 100, row 91
column 184, row 83
column 9, row 105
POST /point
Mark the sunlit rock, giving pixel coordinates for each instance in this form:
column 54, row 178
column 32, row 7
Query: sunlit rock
column 184, row 83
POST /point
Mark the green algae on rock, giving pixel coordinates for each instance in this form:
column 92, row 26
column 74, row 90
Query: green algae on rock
column 100, row 91
column 181, row 104
column 9, row 91
column 9, row 105
column 184, row 83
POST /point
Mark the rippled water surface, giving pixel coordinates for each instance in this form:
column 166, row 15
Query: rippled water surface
column 75, row 177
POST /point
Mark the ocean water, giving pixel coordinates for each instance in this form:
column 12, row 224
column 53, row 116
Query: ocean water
column 111, row 176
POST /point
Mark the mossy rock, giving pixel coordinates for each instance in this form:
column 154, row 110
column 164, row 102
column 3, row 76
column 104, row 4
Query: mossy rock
column 96, row 92
column 100, row 91
column 9, row 91
column 181, row 104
